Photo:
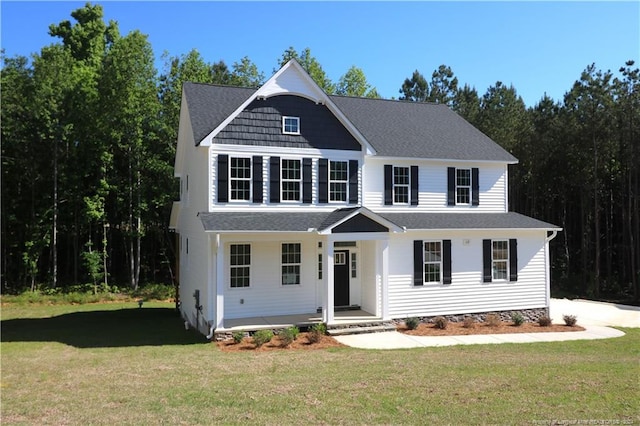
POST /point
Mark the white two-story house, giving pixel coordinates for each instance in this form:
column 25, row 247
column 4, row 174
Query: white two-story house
column 298, row 204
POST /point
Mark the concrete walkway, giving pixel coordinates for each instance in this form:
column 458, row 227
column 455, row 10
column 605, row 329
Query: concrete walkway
column 593, row 316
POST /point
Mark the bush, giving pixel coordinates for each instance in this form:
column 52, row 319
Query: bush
column 238, row 336
column 316, row 332
column 440, row 322
column 412, row 323
column 570, row 320
column 288, row 335
column 493, row 320
column 469, row 322
column 544, row 321
column 261, row 337
column 517, row 319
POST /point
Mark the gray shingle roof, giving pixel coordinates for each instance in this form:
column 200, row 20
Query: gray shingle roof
column 209, row 105
column 302, row 222
column 393, row 128
column 510, row 220
column 418, row 130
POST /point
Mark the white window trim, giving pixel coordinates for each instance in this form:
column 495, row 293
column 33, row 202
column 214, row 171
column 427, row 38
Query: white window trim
column 345, row 182
column 288, row 117
column 249, row 179
column 250, row 265
column 407, row 185
column 283, row 180
column 493, row 261
column 431, row 262
column 298, row 264
column 464, row 186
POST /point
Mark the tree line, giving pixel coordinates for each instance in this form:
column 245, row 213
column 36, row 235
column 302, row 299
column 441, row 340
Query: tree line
column 89, row 130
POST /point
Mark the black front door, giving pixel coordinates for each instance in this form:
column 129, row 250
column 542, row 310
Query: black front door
column 341, row 278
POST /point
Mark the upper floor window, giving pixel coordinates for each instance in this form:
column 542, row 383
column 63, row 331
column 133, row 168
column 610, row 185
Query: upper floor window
column 338, row 180
column 240, row 178
column 401, row 185
column 291, row 180
column 463, row 186
column 291, row 125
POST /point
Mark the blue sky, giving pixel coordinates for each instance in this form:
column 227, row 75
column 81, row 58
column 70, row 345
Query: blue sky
column 539, row 47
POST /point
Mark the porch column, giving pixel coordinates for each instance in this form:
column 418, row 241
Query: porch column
column 219, row 282
column 383, row 249
column 327, row 267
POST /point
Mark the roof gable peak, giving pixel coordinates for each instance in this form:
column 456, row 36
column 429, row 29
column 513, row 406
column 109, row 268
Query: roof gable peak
column 292, row 79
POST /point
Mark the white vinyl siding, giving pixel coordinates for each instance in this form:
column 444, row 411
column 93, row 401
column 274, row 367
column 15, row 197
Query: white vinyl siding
column 267, row 295
column 467, row 293
column 432, row 186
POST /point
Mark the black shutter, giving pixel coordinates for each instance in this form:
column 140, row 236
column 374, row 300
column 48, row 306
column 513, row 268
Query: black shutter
column 353, row 181
column 414, row 185
column 257, row 178
column 451, row 186
column 486, row 261
column 223, row 178
column 475, row 187
column 306, row 181
column 446, row 261
column 274, row 179
column 513, row 259
column 323, row 180
column 418, row 262
column 388, row 184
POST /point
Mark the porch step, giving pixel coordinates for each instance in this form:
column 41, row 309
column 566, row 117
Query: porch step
column 340, row 330
column 341, row 308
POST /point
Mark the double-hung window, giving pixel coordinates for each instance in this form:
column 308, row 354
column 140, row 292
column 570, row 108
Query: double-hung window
column 291, row 260
column 338, row 180
column 291, row 125
column 401, row 185
column 463, row 186
column 500, row 259
column 432, row 261
column 240, row 178
column 240, row 261
column 291, row 180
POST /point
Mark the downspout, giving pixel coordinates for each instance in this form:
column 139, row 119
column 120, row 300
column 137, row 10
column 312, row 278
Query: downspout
column 547, row 269
column 211, row 328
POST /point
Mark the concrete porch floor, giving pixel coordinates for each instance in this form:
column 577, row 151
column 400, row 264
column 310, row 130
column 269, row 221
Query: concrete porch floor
column 300, row 320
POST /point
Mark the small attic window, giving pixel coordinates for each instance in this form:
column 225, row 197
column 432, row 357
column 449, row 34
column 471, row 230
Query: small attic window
column 291, row 125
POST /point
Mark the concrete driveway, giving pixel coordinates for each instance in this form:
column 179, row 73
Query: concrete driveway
column 595, row 313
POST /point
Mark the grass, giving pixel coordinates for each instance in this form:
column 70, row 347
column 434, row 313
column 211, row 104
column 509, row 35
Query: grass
column 117, row 364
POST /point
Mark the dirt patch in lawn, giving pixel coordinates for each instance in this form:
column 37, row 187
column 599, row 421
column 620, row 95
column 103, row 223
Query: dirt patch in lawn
column 301, row 343
column 458, row 329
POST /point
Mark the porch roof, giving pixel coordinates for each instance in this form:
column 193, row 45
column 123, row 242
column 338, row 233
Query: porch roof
column 255, row 221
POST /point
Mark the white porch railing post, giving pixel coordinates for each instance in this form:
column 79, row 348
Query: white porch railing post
column 219, row 282
column 327, row 267
column 383, row 247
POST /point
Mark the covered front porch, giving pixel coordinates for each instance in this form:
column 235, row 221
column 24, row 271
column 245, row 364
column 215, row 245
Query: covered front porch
column 341, row 261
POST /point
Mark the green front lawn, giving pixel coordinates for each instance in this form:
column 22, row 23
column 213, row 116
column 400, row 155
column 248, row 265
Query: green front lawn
column 117, row 364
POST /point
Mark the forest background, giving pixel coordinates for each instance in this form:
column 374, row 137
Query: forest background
column 89, row 129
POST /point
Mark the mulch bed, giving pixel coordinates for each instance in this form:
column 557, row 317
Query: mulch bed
column 302, row 342
column 458, row 329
